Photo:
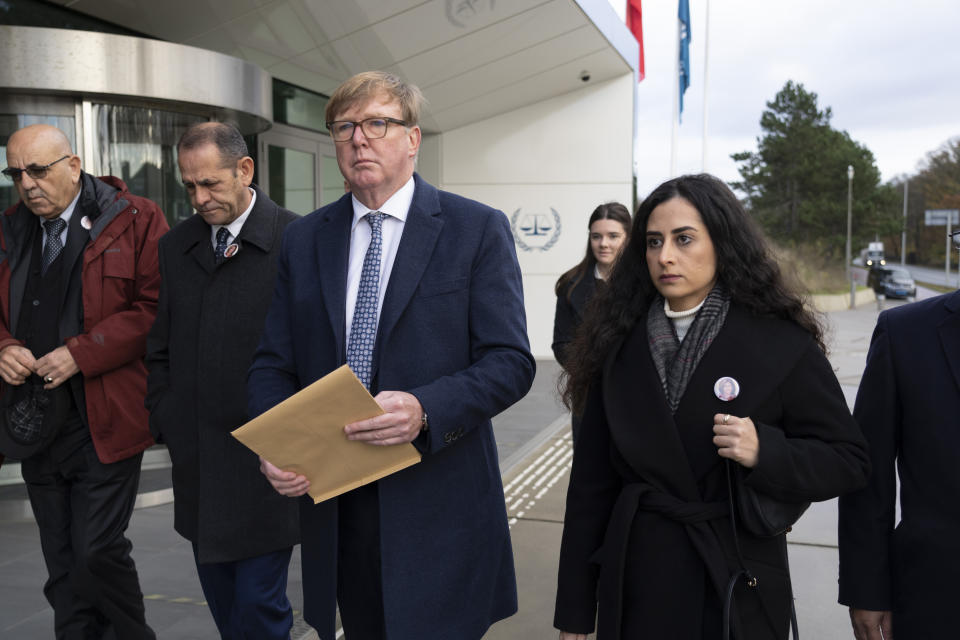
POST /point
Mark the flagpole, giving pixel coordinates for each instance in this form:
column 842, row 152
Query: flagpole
column 676, row 106
column 903, row 234
column 706, row 83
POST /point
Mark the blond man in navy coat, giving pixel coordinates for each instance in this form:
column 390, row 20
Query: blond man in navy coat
column 425, row 552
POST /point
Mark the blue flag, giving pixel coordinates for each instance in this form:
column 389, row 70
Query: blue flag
column 683, row 64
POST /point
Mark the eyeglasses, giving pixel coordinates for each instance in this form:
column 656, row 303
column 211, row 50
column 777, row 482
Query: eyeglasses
column 342, row 130
column 34, row 171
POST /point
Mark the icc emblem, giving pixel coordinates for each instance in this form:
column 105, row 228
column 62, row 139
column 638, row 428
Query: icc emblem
column 464, row 13
column 535, row 231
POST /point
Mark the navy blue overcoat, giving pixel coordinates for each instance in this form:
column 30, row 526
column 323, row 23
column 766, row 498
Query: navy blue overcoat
column 908, row 405
column 452, row 332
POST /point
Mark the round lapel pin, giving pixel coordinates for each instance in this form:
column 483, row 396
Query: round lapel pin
column 726, row 388
column 86, row 223
column 231, row 250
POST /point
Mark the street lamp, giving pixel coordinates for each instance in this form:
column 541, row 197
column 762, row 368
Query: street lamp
column 853, row 289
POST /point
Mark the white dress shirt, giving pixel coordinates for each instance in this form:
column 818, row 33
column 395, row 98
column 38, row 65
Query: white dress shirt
column 396, row 208
column 234, row 227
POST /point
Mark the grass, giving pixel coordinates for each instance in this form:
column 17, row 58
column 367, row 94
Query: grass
column 939, row 288
column 805, row 267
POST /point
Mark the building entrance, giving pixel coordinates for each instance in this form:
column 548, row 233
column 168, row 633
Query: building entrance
column 300, row 168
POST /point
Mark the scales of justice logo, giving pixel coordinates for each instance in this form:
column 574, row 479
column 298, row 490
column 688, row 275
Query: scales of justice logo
column 465, row 13
column 535, row 231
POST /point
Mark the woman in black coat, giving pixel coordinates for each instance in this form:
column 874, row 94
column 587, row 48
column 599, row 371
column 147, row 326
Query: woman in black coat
column 648, row 532
column 609, row 228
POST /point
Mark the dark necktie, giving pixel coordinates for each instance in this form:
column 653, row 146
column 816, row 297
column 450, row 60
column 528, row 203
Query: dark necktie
column 363, row 331
column 54, row 245
column 223, row 237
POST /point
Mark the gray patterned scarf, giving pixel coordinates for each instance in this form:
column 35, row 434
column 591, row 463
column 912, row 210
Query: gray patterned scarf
column 676, row 361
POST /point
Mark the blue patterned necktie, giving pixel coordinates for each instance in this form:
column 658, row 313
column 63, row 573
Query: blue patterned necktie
column 223, row 236
column 363, row 331
column 54, row 245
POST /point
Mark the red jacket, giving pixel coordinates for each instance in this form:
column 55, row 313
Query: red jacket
column 120, row 283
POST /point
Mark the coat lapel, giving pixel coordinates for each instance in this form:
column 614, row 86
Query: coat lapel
column 198, row 245
column 19, row 239
column 77, row 238
column 332, row 248
column 420, row 233
column 259, row 228
column 639, row 419
column 949, row 331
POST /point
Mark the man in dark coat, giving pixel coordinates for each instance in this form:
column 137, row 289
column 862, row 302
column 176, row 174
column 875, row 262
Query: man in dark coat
column 902, row 577
column 217, row 271
column 419, row 291
column 78, row 293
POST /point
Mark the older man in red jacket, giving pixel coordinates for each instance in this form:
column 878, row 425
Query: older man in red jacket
column 79, row 282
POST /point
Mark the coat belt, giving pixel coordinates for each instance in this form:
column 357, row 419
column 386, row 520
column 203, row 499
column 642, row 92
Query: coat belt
column 695, row 516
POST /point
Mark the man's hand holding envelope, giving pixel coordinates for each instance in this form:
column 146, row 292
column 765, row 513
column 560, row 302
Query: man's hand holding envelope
column 317, row 441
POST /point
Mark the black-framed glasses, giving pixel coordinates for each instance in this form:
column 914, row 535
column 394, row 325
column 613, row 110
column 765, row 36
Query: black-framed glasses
column 342, row 130
column 955, row 235
column 34, row 171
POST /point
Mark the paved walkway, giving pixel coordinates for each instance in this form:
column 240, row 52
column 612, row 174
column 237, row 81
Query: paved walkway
column 535, row 452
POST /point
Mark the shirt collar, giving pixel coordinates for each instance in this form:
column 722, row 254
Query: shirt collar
column 67, row 213
column 396, row 206
column 235, row 226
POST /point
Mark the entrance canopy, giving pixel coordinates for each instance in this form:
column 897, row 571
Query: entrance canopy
column 473, row 58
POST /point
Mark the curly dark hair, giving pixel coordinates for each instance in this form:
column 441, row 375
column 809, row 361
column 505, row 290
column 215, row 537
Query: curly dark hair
column 606, row 211
column 746, row 269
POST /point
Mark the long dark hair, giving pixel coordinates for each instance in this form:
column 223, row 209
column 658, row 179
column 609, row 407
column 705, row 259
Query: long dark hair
column 745, row 268
column 606, row 211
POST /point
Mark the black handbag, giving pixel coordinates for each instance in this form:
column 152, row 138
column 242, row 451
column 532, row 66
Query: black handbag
column 762, row 515
column 30, row 417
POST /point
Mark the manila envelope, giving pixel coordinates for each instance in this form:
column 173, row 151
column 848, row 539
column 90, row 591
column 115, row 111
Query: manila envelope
column 304, row 433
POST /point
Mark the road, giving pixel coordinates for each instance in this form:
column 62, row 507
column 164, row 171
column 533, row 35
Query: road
column 919, row 274
column 936, row 276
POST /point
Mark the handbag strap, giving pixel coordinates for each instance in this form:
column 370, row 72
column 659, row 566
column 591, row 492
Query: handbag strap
column 745, row 572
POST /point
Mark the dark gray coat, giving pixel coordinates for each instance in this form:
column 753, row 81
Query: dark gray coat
column 198, row 352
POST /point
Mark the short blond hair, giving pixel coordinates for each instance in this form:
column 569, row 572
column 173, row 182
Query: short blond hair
column 369, row 84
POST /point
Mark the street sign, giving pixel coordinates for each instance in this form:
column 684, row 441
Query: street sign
column 938, row 217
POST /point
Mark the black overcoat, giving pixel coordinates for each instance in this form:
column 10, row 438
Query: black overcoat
column 647, row 520
column 908, row 405
column 571, row 302
column 208, row 326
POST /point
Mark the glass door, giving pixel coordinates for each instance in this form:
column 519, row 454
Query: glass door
column 298, row 168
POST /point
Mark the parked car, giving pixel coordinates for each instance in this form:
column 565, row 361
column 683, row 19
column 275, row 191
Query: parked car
column 893, row 282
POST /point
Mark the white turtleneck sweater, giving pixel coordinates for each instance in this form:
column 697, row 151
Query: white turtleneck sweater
column 681, row 319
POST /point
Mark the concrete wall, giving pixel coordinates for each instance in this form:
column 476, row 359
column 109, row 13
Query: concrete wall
column 547, row 166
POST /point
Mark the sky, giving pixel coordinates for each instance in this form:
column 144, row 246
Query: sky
column 890, row 71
